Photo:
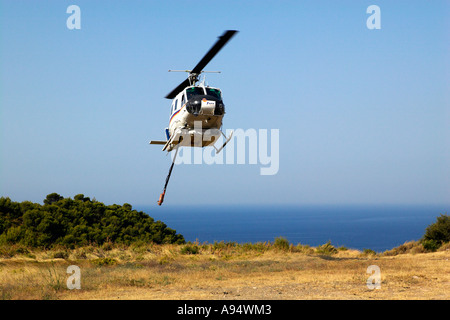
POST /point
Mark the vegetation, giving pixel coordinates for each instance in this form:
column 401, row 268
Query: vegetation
column 78, row 222
column 326, row 249
column 125, row 254
column 190, row 249
column 437, row 233
column 369, row 252
column 281, row 244
column 221, row 270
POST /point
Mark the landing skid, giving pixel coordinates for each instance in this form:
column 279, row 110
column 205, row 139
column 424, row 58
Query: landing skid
column 225, row 143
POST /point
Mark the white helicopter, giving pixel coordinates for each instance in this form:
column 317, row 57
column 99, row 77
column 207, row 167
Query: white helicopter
column 196, row 111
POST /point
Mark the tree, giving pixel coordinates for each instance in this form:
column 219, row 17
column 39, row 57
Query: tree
column 81, row 197
column 437, row 233
column 52, row 198
column 78, row 222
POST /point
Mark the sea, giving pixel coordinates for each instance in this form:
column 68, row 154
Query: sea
column 375, row 227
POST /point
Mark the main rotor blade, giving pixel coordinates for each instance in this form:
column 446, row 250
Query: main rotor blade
column 178, row 89
column 223, row 39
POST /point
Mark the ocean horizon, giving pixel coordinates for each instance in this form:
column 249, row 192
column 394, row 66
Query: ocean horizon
column 376, row 227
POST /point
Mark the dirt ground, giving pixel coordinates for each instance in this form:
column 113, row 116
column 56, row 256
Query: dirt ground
column 164, row 273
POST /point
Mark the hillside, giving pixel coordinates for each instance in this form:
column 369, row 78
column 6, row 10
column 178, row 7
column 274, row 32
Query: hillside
column 78, row 222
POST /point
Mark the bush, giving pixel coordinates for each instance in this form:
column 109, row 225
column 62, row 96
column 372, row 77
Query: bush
column 104, row 261
column 326, row 248
column 437, row 233
column 190, row 249
column 221, row 246
column 281, row 244
column 259, row 247
column 369, row 252
column 431, row 245
column 9, row 251
column 303, row 248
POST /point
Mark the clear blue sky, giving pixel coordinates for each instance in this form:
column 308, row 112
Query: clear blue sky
column 364, row 115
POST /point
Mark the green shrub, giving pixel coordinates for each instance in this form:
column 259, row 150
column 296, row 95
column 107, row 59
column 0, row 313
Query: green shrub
column 165, row 260
column 190, row 249
column 326, row 248
column 9, row 251
column 281, row 244
column 303, row 248
column 104, row 261
column 368, row 252
column 259, row 247
column 431, row 245
column 437, row 233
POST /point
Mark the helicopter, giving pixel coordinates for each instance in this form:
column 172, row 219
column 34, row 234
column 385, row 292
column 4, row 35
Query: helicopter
column 196, row 111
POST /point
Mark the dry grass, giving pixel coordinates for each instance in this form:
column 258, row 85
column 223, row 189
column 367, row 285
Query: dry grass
column 222, row 271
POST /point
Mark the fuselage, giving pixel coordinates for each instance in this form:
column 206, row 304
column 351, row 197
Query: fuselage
column 197, row 110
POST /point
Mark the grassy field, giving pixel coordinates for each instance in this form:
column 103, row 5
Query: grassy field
column 223, row 271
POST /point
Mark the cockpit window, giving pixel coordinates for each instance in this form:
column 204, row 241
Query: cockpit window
column 213, row 92
column 194, row 91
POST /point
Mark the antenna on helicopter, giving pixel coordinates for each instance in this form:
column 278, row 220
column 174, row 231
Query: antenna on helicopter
column 193, row 79
column 191, row 71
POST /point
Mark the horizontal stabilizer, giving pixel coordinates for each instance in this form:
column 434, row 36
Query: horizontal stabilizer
column 158, row 142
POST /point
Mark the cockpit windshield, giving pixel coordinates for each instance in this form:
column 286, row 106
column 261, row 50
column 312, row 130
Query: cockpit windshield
column 214, row 92
column 194, row 91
